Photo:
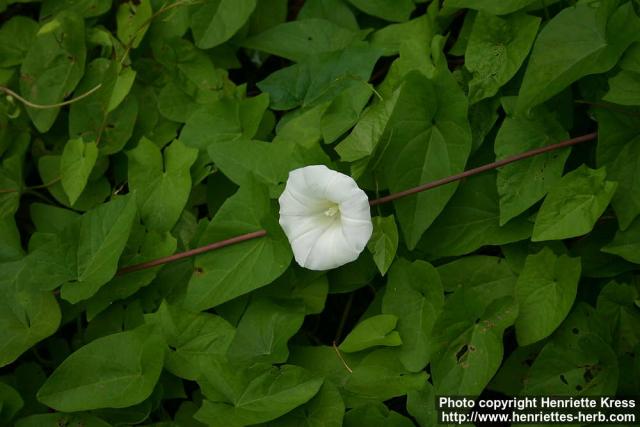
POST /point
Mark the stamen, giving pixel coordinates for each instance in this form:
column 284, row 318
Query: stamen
column 332, row 211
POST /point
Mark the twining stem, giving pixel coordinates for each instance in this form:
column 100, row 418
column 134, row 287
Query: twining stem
column 375, row 202
column 35, row 187
column 147, row 22
column 344, row 362
column 483, row 168
column 343, row 319
column 192, row 252
column 48, row 106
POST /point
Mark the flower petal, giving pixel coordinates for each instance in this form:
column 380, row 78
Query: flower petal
column 325, row 216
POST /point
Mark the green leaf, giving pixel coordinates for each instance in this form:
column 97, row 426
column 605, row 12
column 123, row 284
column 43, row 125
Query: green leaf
column 545, row 291
column 300, row 285
column 512, row 375
column 267, row 14
column 389, row 38
column 86, row 8
column 51, row 219
column 368, row 132
column 469, row 348
column 384, row 242
column 421, row 405
column 162, row 181
column 12, row 175
column 573, row 205
column 472, row 220
column 10, row 245
column 375, row 415
column 76, row 164
column 302, row 40
column 143, row 245
column 132, row 21
column 94, row 193
column 429, row 139
column 371, row 332
column 324, row 361
column 353, row 275
column 115, row 371
column 336, row 11
column 16, row 36
column 488, row 276
column 590, row 369
column 118, row 126
column 243, row 160
column 626, row 243
column 121, row 88
column 58, row 419
column 98, row 239
column 616, row 304
column 10, row 402
column 378, row 377
column 619, row 150
column 226, row 120
column 524, row 183
column 578, row 41
column 93, row 118
column 471, row 344
column 195, row 82
column 344, row 112
column 53, row 66
column 47, row 265
column 414, row 294
column 194, row 339
column 238, row 269
column 624, row 87
column 325, row 409
column 495, row 7
column 260, row 398
column 215, row 22
column 496, row 49
column 27, row 316
column 389, row 10
column 264, row 329
column 321, row 78
column 591, row 250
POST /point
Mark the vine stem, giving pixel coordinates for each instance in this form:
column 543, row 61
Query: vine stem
column 148, row 22
column 48, row 106
column 483, row 168
column 344, row 362
column 192, row 252
column 35, row 187
column 343, row 319
column 375, row 202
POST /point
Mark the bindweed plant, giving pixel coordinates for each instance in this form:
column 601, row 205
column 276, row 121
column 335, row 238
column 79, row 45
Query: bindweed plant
column 314, row 213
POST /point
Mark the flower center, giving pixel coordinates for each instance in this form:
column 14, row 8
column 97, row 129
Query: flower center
column 332, row 211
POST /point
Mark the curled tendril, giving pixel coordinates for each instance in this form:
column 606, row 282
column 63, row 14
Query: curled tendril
column 15, row 96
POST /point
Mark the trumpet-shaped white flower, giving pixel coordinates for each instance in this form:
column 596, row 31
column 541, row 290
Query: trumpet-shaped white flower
column 325, row 216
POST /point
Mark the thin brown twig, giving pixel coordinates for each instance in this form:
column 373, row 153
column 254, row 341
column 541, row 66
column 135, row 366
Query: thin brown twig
column 35, row 187
column 192, row 252
column 375, row 202
column 48, row 106
column 483, row 168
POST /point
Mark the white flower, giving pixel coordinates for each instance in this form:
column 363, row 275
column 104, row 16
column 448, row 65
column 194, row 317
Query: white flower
column 325, row 216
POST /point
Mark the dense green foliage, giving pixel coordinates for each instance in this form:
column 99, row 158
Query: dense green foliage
column 185, row 118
